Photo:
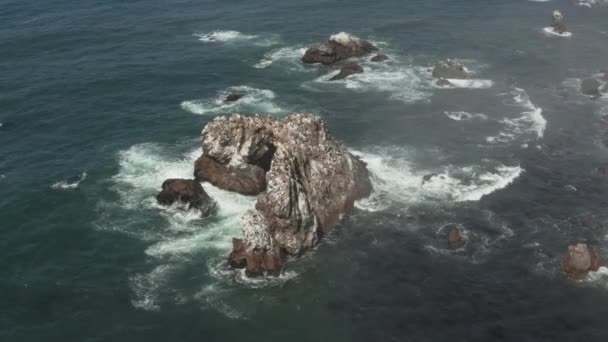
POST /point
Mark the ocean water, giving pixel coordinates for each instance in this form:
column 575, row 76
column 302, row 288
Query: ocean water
column 100, row 101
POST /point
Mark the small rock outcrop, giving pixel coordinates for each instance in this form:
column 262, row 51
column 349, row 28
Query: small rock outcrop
column 455, row 236
column 379, row 58
column 600, row 171
column 186, row 191
column 233, row 97
column 591, row 87
column 442, row 82
column 339, row 47
column 310, row 182
column 347, row 70
column 557, row 22
column 580, row 260
column 449, row 69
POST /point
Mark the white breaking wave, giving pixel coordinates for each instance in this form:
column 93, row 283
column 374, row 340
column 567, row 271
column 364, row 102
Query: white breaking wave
column 459, row 116
column 254, row 101
column 67, row 185
column 183, row 236
column 285, row 55
column 403, row 81
column 394, row 178
column 468, row 83
column 549, row 31
column 530, row 123
column 230, row 36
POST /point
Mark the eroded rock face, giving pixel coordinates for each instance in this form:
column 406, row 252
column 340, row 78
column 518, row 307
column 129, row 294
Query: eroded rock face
column 557, row 22
column 591, row 87
column 379, row 58
column 311, row 182
column 347, row 70
column 449, row 69
column 186, row 191
column 339, row 47
column 246, row 179
column 580, row 260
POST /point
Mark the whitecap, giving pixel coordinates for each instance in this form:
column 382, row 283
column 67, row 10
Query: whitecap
column 403, row 81
column 468, row 84
column 551, row 32
column 290, row 56
column 69, row 185
column 529, row 124
column 253, row 101
column 461, row 115
column 394, row 178
column 231, row 36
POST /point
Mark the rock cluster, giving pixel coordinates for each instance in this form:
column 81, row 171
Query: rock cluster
column 338, row 47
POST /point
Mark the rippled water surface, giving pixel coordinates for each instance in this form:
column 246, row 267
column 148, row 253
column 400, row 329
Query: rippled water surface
column 102, row 101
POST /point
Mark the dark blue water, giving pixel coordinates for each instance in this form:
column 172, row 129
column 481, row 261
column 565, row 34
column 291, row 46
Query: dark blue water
column 100, row 101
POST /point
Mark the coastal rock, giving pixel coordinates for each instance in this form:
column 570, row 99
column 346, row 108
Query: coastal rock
column 591, row 87
column 339, row 47
column 379, row 58
column 246, row 179
column 557, row 22
column 455, row 236
column 442, row 82
column 427, row 178
column 233, row 97
column 347, row 70
column 580, row 260
column 311, row 182
column 449, row 69
column 186, row 191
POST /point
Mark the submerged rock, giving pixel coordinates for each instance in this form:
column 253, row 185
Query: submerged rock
column 347, row 70
column 449, row 69
column 600, row 171
column 311, row 181
column 186, row 191
column 379, row 58
column 233, row 97
column 339, row 47
column 557, row 22
column 591, row 87
column 580, row 260
column 429, row 177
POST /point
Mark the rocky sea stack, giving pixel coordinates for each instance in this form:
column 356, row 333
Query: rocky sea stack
column 339, row 47
column 305, row 181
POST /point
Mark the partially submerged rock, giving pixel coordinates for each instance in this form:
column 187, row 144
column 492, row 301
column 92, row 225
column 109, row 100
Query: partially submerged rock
column 580, row 260
column 600, row 171
column 455, row 236
column 442, row 82
column 339, row 47
column 379, row 58
column 347, row 70
column 311, row 181
column 186, row 191
column 233, row 97
column 449, row 69
column 557, row 22
column 591, row 87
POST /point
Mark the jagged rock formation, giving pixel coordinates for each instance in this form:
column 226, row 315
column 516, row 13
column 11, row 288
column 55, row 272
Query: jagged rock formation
column 186, row 191
column 580, row 260
column 449, row 69
column 347, row 70
column 310, row 181
column 339, row 47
